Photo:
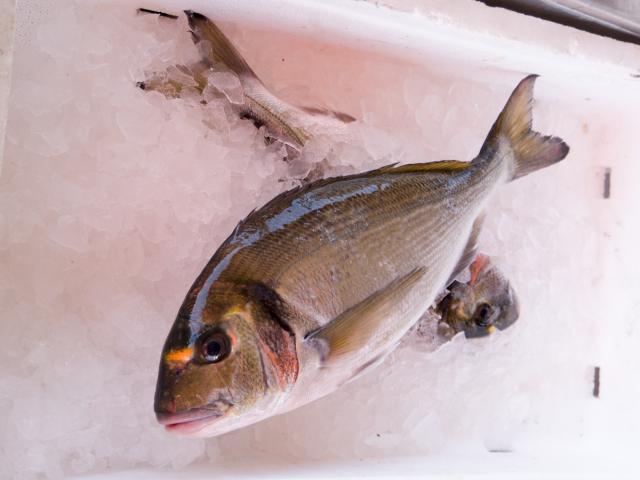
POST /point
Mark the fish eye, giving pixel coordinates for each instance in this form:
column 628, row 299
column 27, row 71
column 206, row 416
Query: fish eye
column 216, row 347
column 483, row 314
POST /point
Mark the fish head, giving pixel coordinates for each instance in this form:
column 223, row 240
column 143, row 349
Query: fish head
column 225, row 367
column 456, row 309
column 485, row 303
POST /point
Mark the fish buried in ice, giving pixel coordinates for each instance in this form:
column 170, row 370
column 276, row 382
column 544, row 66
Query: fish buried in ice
column 481, row 305
column 323, row 281
column 480, row 301
column 290, row 124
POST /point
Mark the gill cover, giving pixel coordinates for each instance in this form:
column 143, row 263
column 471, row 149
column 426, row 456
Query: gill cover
column 237, row 358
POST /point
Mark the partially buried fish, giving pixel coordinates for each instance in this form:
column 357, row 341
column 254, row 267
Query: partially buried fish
column 290, row 124
column 478, row 302
column 323, row 281
column 222, row 73
column 479, row 306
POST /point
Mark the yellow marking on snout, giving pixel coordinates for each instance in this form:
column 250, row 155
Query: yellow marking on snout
column 183, row 355
column 491, row 329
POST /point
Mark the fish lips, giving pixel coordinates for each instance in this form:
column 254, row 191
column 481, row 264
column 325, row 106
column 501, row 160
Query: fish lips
column 189, row 423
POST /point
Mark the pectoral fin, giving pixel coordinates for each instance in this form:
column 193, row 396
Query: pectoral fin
column 365, row 323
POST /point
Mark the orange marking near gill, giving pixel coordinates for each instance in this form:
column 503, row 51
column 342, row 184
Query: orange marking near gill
column 182, row 355
column 477, row 266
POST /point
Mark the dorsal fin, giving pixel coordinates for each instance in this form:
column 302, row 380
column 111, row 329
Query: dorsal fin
column 435, row 167
column 443, row 166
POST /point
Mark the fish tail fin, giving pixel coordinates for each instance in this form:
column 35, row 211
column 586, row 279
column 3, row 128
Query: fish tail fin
column 530, row 151
column 284, row 122
column 216, row 47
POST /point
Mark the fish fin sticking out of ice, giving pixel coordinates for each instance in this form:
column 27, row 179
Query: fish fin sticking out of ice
column 512, row 134
column 364, row 324
column 290, row 124
column 259, row 104
column 218, row 50
column 470, row 250
column 223, row 72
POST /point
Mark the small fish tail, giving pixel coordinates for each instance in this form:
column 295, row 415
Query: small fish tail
column 284, row 122
column 530, row 151
column 259, row 105
column 217, row 49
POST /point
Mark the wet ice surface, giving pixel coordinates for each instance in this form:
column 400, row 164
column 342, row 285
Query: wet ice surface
column 113, row 199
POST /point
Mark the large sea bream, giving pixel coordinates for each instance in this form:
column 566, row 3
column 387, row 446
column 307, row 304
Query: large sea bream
column 322, row 282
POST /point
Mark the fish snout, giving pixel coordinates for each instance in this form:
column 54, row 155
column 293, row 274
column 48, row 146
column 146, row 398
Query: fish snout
column 189, row 423
column 169, row 418
column 192, row 421
column 181, row 404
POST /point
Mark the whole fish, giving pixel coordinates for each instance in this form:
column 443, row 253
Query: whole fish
column 323, row 281
column 480, row 306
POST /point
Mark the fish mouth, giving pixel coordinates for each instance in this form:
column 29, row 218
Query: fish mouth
column 188, row 423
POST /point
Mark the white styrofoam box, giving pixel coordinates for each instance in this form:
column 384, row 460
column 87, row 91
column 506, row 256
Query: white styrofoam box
column 112, row 200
